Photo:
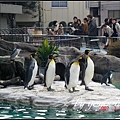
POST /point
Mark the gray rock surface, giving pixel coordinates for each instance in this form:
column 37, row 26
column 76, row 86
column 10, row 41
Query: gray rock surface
column 97, row 101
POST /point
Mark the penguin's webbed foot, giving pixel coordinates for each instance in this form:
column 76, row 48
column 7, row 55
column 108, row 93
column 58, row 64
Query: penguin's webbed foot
column 50, row 89
column 30, row 87
column 75, row 90
column 87, row 88
column 107, row 84
column 65, row 86
column 70, row 91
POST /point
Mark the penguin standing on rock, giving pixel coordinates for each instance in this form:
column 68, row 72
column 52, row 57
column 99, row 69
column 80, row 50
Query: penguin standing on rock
column 72, row 75
column 14, row 53
column 49, row 74
column 87, row 69
column 31, row 72
column 107, row 77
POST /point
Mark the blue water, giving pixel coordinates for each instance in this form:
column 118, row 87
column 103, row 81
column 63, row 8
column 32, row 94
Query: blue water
column 11, row 111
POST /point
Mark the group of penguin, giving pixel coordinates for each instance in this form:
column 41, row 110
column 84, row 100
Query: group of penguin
column 82, row 66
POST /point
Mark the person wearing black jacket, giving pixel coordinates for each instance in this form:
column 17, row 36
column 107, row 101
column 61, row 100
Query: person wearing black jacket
column 92, row 31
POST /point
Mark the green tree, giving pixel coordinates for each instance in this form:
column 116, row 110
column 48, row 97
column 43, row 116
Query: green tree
column 30, row 7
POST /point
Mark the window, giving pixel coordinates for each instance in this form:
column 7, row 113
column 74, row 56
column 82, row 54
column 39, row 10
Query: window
column 59, row 3
column 114, row 13
column 94, row 11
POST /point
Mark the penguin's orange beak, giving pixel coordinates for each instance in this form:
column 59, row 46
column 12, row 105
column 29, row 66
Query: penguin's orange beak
column 31, row 56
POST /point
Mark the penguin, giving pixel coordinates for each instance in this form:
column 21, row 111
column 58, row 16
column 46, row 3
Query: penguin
column 87, row 69
column 14, row 53
column 31, row 72
column 107, row 77
column 72, row 74
column 49, row 74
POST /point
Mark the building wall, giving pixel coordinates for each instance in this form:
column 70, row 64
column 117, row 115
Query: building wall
column 75, row 8
column 9, row 8
column 105, row 7
column 3, row 21
column 111, row 5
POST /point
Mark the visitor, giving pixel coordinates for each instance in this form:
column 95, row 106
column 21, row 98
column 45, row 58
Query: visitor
column 74, row 25
column 85, row 31
column 60, row 30
column 80, row 27
column 107, row 32
column 92, row 31
column 116, row 28
column 106, row 21
column 75, row 21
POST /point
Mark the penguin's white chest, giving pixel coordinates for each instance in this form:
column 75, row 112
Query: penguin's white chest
column 74, row 75
column 89, row 73
column 50, row 73
column 34, row 73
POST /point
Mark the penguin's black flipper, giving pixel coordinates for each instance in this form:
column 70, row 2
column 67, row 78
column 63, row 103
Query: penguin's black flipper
column 109, row 80
column 28, row 73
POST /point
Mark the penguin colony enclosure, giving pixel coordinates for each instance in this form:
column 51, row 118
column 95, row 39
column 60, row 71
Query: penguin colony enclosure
column 99, row 100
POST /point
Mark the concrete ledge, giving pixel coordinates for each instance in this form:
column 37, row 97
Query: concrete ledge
column 102, row 99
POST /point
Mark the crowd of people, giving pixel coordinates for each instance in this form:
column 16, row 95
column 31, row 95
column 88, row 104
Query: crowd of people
column 88, row 27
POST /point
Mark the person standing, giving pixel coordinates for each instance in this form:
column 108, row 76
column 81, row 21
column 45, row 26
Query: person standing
column 80, row 27
column 116, row 28
column 74, row 26
column 92, row 30
column 85, row 31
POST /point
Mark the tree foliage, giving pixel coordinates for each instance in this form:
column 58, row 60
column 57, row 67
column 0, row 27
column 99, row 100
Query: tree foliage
column 30, row 7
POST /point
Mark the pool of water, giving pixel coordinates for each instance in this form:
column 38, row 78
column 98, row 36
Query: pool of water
column 11, row 111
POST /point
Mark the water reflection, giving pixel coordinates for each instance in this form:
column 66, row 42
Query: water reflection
column 8, row 111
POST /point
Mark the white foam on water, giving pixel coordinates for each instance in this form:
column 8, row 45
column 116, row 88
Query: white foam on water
column 60, row 114
column 6, row 116
column 41, row 110
column 41, row 113
column 40, row 118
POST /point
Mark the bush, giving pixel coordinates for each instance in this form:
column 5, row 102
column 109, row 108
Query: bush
column 114, row 49
column 44, row 51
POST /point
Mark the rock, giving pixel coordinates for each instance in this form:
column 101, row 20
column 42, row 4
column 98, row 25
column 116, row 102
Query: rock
column 11, row 69
column 6, row 47
column 14, row 81
column 102, row 62
column 97, row 101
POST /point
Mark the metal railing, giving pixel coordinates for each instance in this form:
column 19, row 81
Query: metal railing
column 24, row 35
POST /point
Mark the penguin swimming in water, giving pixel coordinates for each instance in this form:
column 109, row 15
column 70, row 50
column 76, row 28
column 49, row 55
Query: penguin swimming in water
column 87, row 69
column 107, row 78
column 31, row 72
column 72, row 74
column 49, row 74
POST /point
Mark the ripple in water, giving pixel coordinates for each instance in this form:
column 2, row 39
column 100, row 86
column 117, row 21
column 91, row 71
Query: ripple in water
column 10, row 111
